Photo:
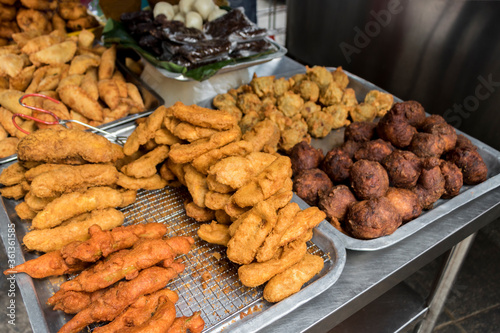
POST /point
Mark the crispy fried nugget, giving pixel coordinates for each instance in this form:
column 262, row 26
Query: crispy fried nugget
column 12, row 175
column 145, row 131
column 22, row 81
column 264, row 133
column 302, row 222
column 214, row 185
column 197, row 213
column 239, row 148
column 197, row 185
column 8, row 125
column 164, row 137
column 216, row 200
column 55, row 54
column 180, row 153
column 54, row 239
column 109, row 92
column 8, row 146
column 78, row 99
column 35, row 203
column 24, row 211
column 256, row 274
column 72, row 204
column 107, row 66
column 145, row 166
column 40, row 4
column 11, row 65
column 30, row 19
column 265, row 184
column 188, row 132
column 30, row 174
column 67, row 147
column 72, row 178
column 154, row 182
column 214, row 233
column 86, row 22
column 15, row 192
column 291, row 280
column 203, row 117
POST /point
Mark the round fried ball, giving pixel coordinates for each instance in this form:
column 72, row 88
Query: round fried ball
column 372, row 218
column 305, row 157
column 396, row 129
column 473, row 168
column 453, row 179
column 446, row 132
column 403, row 168
column 336, row 202
column 413, row 112
column 427, row 145
column 433, row 119
column 431, row 183
column 337, row 165
column 375, row 150
column 360, row 131
column 368, row 179
column 406, row 203
column 310, row 184
column 350, row 147
column 464, row 142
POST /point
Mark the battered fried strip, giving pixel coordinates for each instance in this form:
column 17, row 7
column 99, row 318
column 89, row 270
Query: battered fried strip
column 73, row 178
column 164, row 137
column 203, row 117
column 265, row 184
column 15, row 192
column 188, row 132
column 177, row 169
column 215, row 200
column 233, row 210
column 35, row 203
column 116, row 299
column 239, row 148
column 154, row 182
column 127, row 263
column 303, row 221
column 262, row 134
column 145, row 131
column 194, row 324
column 67, row 147
column 163, row 318
column 199, row 214
column 180, row 153
column 214, row 233
column 12, row 175
column 24, row 211
column 291, row 280
column 76, row 203
column 272, row 242
column 255, row 274
column 196, row 184
column 74, row 301
column 145, row 166
column 214, row 185
column 79, row 100
column 140, row 312
column 47, row 240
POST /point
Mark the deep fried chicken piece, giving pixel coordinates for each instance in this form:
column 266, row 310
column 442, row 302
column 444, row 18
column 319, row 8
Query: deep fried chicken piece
column 473, row 168
column 311, row 184
column 405, row 202
column 453, row 179
column 431, row 183
column 403, row 168
column 372, row 218
column 336, row 165
column 360, row 131
column 427, row 145
column 368, row 179
column 305, row 157
column 445, row 132
column 374, row 150
column 335, row 203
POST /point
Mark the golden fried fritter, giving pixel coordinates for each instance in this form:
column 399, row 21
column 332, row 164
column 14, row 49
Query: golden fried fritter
column 214, row 233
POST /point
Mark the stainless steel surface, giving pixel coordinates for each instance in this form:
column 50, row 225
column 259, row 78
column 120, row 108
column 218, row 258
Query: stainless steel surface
column 443, row 286
column 444, row 54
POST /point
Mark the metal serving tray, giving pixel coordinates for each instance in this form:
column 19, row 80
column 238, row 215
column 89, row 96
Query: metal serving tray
column 441, row 207
column 209, row 283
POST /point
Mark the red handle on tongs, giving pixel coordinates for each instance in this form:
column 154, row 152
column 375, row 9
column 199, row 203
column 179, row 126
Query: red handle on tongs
column 57, row 120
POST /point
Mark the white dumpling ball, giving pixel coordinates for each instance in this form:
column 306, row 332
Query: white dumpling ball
column 185, row 6
column 164, row 8
column 179, row 17
column 194, row 20
column 176, row 8
column 216, row 13
column 204, row 7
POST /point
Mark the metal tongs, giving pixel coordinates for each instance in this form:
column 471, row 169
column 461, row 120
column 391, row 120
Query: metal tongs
column 57, row 121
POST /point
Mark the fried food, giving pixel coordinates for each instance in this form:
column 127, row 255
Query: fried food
column 248, row 102
column 405, row 202
column 248, row 121
column 303, row 221
column 107, row 65
column 431, row 183
column 446, row 132
column 145, row 131
column 75, row 203
column 304, row 157
column 11, row 65
column 35, row 203
column 194, row 324
column 216, row 201
column 198, row 213
column 81, row 63
column 309, row 91
column 184, row 153
column 290, row 104
column 47, row 240
column 203, row 117
column 265, row 184
column 256, row 274
column 396, row 129
column 214, row 185
column 30, row 19
column 311, row 184
column 368, row 179
column 189, row 132
column 375, row 150
column 86, row 22
column 412, row 111
column 78, row 99
column 264, row 133
column 65, row 146
column 69, row 178
column 55, row 54
column 15, row 192
column 320, row 123
column 363, row 112
column 39, row 43
column 154, row 182
column 116, row 299
column 381, row 101
column 24, row 211
column 427, row 145
column 145, row 166
column 9, row 99
column 360, row 131
column 203, row 162
column 403, row 168
column 214, row 233
column 372, row 218
column 320, row 75
column 463, row 142
column 12, row 175
column 23, row 79
column 196, row 184
column 336, row 202
column 453, row 179
column 337, row 165
column 473, row 168
column 291, row 280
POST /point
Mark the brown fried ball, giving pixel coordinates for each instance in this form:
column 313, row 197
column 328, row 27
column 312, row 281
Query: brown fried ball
column 413, row 112
column 305, row 157
column 396, row 129
column 368, row 179
column 375, row 150
column 473, row 168
column 290, row 104
column 281, row 86
column 372, row 218
column 361, row 131
column 403, row 168
column 380, row 100
column 433, row 119
column 308, row 108
column 406, row 203
column 336, row 165
column 309, row 91
column 223, row 100
column 336, row 202
column 350, row 147
column 453, row 179
column 331, row 94
column 319, row 124
column 427, row 145
column 463, row 142
column 446, row 132
column 431, row 183
column 311, row 184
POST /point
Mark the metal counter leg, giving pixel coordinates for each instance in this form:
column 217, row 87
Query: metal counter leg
column 444, row 283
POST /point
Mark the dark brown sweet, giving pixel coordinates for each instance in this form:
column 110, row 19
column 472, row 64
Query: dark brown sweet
column 336, row 165
column 368, row 179
column 405, row 202
column 310, row 184
column 453, row 179
column 413, row 111
column 336, row 202
column 427, row 145
column 305, row 157
column 403, row 168
column 445, row 132
column 396, row 129
column 372, row 218
column 360, row 131
column 473, row 168
column 375, row 150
